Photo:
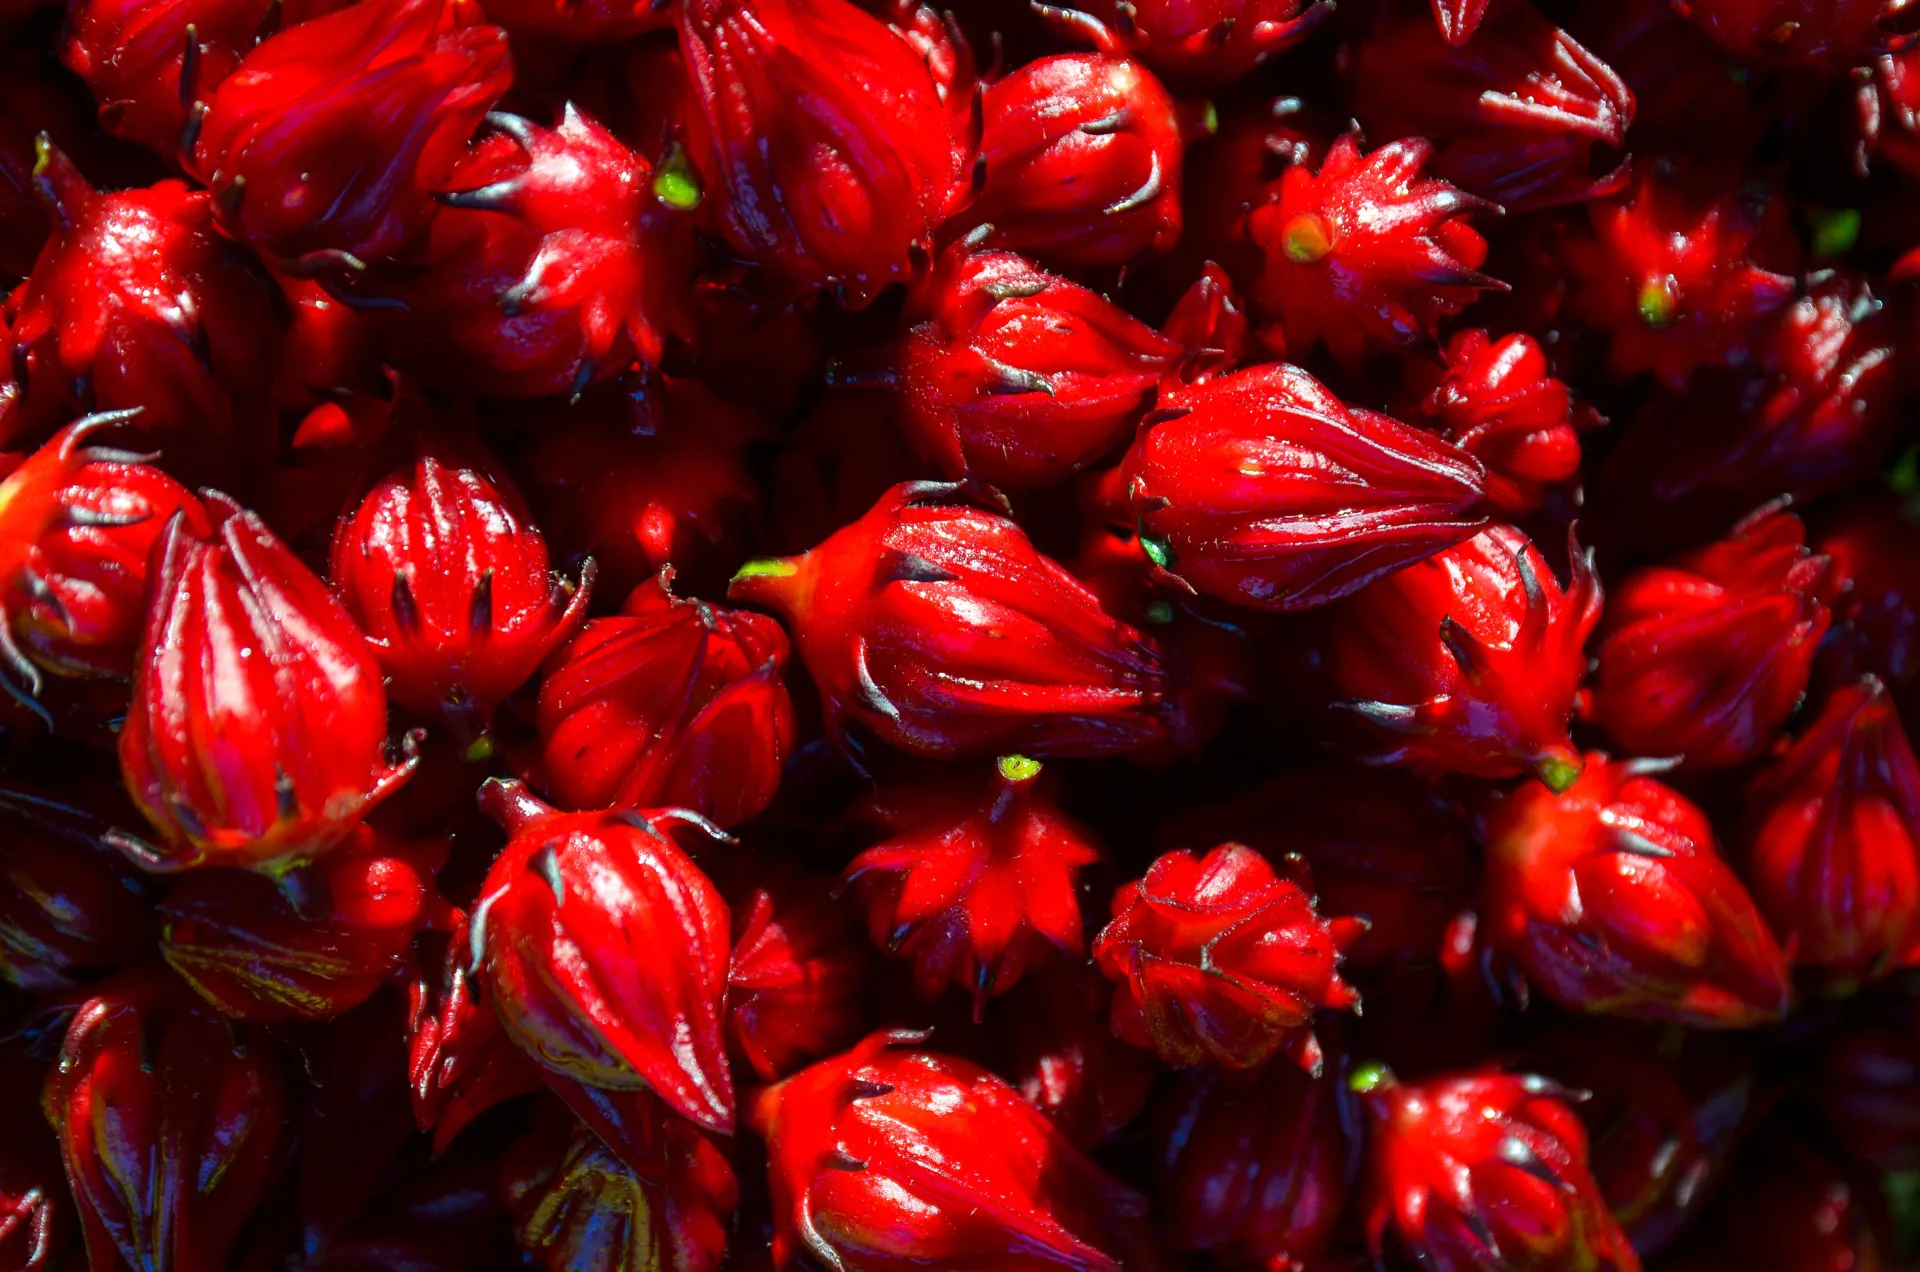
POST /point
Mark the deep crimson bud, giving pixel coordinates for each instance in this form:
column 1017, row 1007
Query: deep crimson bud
column 321, row 149
column 795, row 985
column 1365, row 254
column 1523, row 115
column 257, row 735
column 1818, row 412
column 1020, row 378
column 1467, row 662
column 70, row 906
column 678, row 494
column 77, row 524
column 977, row 882
column 577, row 1206
column 1496, row 401
column 233, row 937
column 1865, row 1081
column 1262, row 488
column 1706, row 656
column 1874, row 544
column 1611, row 899
column 1210, row 43
column 148, row 64
column 1252, row 1166
column 604, row 949
column 1064, row 1057
column 825, row 138
column 558, row 258
column 1835, row 34
column 1831, row 842
column 1383, row 847
column 1792, row 1208
column 871, row 1171
column 36, row 1216
column 1080, row 156
column 672, row 704
column 1681, row 270
column 940, row 628
column 460, row 1060
column 1223, row 960
column 170, row 1120
column 444, row 572
column 1485, row 1170
column 1665, row 1111
column 136, row 301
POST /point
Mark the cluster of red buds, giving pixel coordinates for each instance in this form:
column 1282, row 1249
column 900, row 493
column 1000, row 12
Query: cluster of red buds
column 1047, row 636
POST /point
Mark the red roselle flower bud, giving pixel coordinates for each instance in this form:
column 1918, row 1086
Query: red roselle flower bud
column 826, row 141
column 1262, row 488
column 136, row 301
column 1252, row 1166
column 1212, row 44
column 1223, row 960
column 1866, row 1083
column 1064, row 1057
column 800, row 964
column 77, row 523
column 441, row 567
column 1874, row 543
column 941, row 629
column 977, row 882
column 1838, row 35
column 1019, row 378
column 672, row 704
column 1467, row 662
column 236, row 940
column 1611, row 899
column 1382, row 846
column 557, row 259
column 679, row 494
column 1790, row 1206
column 322, row 147
column 460, row 1061
column 1832, row 840
column 604, row 949
column 576, row 1205
column 850, row 1148
column 1705, row 657
column 36, row 1219
column 70, row 906
column 170, row 1120
column 1365, row 254
column 1485, row 1170
column 1681, row 271
column 257, row 735
column 148, row 64
column 1496, row 401
column 1665, row 1114
column 1080, row 156
column 1523, row 115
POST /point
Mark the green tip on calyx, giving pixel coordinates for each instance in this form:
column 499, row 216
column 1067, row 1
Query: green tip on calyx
column 767, row 568
column 1369, row 1077
column 1656, row 304
column 479, row 750
column 676, row 185
column 1158, row 551
column 1558, row 771
column 1835, row 230
column 1019, row 768
column 1307, row 238
column 1159, row 613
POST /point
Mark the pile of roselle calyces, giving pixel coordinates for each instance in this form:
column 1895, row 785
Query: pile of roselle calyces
column 827, row 636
